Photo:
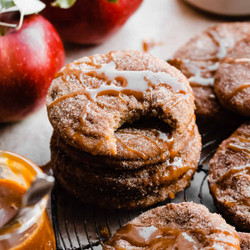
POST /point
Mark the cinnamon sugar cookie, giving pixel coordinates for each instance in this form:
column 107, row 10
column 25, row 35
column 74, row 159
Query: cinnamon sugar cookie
column 244, row 241
column 180, row 226
column 199, row 59
column 125, row 132
column 229, row 177
column 93, row 97
column 127, row 187
column 232, row 79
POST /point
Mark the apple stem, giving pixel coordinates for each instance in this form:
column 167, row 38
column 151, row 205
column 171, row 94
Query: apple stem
column 8, row 25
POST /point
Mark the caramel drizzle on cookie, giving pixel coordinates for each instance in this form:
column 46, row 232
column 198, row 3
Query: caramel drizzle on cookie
column 161, row 137
column 152, row 237
column 239, row 148
column 130, row 82
column 115, row 83
column 173, row 171
column 243, row 137
column 134, row 83
column 238, row 89
column 197, row 79
column 244, row 85
column 233, row 173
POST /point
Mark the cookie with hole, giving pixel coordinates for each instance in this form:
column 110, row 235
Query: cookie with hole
column 126, row 188
column 124, row 129
column 93, row 97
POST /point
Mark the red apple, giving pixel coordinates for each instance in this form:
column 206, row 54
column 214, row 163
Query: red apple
column 90, row 21
column 29, row 59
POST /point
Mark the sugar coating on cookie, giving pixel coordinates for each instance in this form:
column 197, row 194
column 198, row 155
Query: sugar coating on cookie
column 176, row 226
column 244, row 241
column 199, row 60
column 124, row 130
column 229, row 177
column 94, row 96
column 126, row 184
column 232, row 79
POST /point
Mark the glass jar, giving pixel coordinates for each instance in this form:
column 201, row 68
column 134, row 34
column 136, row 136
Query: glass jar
column 31, row 229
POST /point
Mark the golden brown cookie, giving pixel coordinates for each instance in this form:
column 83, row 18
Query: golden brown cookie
column 229, row 177
column 91, row 98
column 140, row 144
column 232, row 79
column 199, row 59
column 126, row 188
column 180, row 226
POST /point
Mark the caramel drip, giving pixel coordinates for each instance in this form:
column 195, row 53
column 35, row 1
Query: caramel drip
column 243, row 139
column 238, row 148
column 86, row 110
column 237, row 60
column 222, row 50
column 151, row 237
column 172, row 106
column 73, row 94
column 143, row 156
column 174, row 170
column 235, row 172
column 130, row 82
column 73, row 72
column 238, row 89
column 197, row 79
column 162, row 137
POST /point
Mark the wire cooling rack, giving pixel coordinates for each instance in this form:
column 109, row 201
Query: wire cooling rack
column 80, row 226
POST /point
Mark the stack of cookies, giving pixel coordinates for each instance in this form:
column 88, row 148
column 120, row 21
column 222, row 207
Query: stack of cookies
column 124, row 129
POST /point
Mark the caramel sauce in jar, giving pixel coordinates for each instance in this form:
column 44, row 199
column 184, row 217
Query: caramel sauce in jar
column 31, row 228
